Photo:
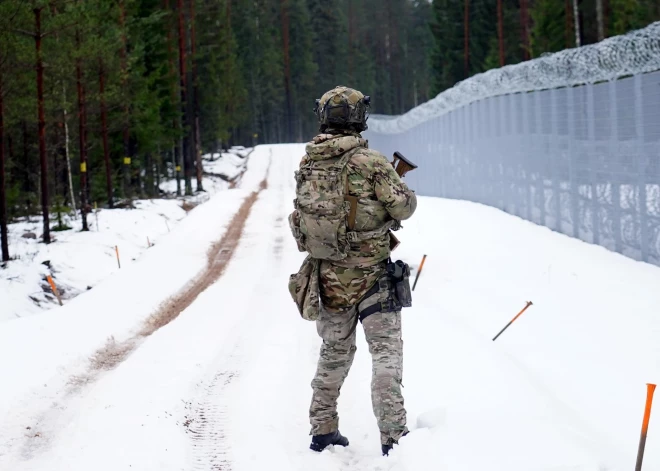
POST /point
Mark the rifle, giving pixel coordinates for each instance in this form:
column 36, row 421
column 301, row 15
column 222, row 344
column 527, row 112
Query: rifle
column 401, row 166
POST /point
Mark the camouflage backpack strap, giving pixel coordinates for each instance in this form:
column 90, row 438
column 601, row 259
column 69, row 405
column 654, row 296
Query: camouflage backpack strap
column 353, row 200
column 353, row 236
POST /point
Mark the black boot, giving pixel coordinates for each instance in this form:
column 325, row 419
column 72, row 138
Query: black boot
column 321, row 442
column 390, row 443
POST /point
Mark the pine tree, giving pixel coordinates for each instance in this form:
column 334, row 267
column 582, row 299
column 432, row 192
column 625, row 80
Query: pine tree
column 547, row 34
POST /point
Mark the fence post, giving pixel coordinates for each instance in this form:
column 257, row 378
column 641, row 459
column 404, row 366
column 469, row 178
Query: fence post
column 572, row 171
column 500, row 143
column 641, row 171
column 591, row 138
column 540, row 157
column 615, row 157
column 525, row 158
column 555, row 154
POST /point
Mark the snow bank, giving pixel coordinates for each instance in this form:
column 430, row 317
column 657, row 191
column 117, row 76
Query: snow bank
column 78, row 260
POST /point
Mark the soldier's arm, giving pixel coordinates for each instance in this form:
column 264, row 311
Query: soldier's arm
column 400, row 201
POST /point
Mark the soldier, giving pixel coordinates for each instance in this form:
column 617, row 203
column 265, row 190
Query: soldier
column 348, row 199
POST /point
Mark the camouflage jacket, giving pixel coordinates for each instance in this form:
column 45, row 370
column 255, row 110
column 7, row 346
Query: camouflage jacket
column 382, row 197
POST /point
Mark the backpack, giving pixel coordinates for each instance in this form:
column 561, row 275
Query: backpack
column 324, row 207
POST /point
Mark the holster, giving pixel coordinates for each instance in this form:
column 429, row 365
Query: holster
column 396, row 283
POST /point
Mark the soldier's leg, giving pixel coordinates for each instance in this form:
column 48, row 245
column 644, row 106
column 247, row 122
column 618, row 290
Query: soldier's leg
column 383, row 333
column 337, row 352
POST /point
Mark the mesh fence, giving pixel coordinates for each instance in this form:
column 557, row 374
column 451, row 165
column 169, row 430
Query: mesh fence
column 570, row 141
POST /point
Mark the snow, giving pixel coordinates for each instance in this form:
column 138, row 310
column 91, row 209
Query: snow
column 78, row 260
column 226, row 385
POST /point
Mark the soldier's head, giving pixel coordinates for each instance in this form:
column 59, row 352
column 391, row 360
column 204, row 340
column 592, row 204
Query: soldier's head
column 342, row 109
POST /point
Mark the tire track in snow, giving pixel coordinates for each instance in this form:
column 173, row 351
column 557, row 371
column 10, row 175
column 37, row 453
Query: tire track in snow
column 207, row 422
column 41, row 431
column 208, row 440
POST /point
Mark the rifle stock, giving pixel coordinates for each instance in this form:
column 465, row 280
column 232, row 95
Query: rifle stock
column 401, row 164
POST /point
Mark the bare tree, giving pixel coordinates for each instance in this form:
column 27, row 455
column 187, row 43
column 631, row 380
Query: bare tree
column 3, row 196
column 287, row 67
column 500, row 31
column 466, row 33
column 104, row 134
column 195, row 92
column 187, row 170
column 600, row 19
column 576, row 18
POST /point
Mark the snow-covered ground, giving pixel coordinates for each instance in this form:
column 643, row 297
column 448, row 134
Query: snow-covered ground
column 78, row 260
column 226, row 385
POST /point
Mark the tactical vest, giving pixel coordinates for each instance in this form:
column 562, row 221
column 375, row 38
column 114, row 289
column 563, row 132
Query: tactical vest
column 327, row 212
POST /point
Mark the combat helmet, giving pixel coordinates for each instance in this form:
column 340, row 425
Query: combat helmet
column 343, row 108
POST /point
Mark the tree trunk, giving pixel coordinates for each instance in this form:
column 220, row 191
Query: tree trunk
column 149, row 176
column 104, row 133
column 175, row 121
column 524, row 28
column 4, row 241
column 466, row 33
column 600, row 19
column 500, row 31
column 42, row 127
column 569, row 24
column 187, row 161
column 576, row 19
column 351, row 39
column 127, row 116
column 287, row 68
column 26, row 156
column 196, row 135
column 67, row 154
column 81, row 140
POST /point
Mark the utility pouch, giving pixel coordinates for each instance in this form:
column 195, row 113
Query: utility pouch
column 399, row 273
column 304, row 289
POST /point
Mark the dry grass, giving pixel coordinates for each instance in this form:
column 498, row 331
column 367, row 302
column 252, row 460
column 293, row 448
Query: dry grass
column 188, row 206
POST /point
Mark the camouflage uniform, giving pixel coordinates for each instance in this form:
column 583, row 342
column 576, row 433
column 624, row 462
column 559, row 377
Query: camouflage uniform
column 383, row 197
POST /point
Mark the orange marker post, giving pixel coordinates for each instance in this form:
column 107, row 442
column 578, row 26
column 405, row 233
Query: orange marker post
column 650, row 389
column 148, row 242
column 529, row 303
column 54, row 288
column 419, row 272
column 117, row 252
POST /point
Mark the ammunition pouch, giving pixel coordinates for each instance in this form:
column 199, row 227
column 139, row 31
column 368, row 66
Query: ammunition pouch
column 399, row 272
column 390, row 293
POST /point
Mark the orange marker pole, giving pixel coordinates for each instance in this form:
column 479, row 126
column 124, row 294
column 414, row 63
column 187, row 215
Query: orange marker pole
column 529, row 303
column 419, row 272
column 54, row 288
column 650, row 389
column 148, row 242
column 117, row 252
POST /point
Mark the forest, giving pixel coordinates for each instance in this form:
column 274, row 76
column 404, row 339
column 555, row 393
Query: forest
column 101, row 100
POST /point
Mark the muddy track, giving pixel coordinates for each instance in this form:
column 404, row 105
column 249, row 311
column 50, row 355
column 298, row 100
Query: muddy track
column 114, row 353
column 218, row 257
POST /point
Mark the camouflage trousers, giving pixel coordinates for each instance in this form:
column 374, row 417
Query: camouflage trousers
column 383, row 334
